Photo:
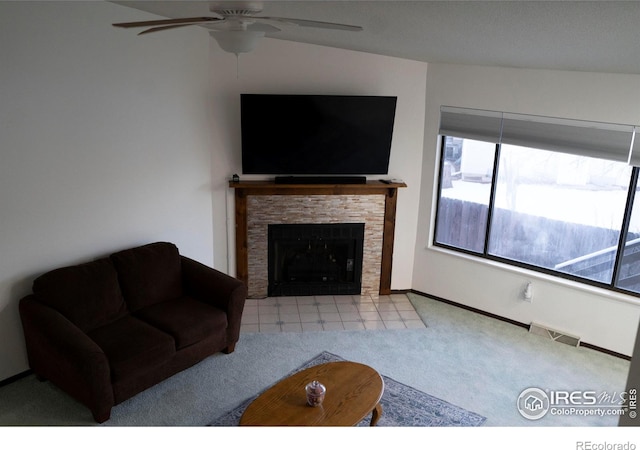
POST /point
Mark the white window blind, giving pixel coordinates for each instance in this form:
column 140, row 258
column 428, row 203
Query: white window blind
column 471, row 124
column 577, row 137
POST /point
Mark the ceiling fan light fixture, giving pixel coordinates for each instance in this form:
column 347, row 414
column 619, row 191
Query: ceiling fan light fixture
column 237, row 41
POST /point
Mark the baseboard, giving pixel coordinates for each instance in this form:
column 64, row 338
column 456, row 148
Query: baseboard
column 402, row 291
column 604, row 350
column 14, row 378
column 512, row 322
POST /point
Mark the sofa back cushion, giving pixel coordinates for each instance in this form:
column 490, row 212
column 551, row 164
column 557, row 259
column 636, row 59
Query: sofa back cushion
column 149, row 274
column 87, row 294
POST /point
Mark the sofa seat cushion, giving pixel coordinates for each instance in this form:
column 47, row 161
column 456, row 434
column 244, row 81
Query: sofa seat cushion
column 186, row 319
column 86, row 294
column 133, row 346
column 149, row 274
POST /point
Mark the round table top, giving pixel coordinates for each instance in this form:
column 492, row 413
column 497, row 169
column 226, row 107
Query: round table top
column 353, row 391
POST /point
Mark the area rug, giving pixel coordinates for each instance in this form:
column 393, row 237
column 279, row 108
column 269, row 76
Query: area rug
column 402, row 406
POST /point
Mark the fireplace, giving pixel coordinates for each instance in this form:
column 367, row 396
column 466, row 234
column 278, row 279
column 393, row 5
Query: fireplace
column 259, row 205
column 315, row 259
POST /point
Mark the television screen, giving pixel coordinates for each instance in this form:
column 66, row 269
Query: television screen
column 316, row 134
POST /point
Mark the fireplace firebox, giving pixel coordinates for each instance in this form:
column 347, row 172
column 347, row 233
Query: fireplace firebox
column 315, row 259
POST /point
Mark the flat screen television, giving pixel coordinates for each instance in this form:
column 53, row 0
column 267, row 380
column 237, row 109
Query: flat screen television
column 316, row 134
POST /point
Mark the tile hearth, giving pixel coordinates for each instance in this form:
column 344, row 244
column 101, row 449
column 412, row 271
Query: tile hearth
column 329, row 313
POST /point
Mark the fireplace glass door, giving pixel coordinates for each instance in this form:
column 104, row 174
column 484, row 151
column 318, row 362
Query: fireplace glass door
column 315, row 259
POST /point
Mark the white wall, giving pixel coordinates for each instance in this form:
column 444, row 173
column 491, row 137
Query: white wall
column 280, row 67
column 109, row 140
column 599, row 317
column 104, row 144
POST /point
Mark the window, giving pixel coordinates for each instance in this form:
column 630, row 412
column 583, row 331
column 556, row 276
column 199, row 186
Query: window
column 628, row 276
column 559, row 211
column 465, row 191
column 546, row 205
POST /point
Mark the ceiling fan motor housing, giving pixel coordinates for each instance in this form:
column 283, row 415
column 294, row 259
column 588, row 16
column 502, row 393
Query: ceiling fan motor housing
column 230, row 9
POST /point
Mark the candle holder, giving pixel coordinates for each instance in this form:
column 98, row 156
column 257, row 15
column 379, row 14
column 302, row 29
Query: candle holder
column 315, row 393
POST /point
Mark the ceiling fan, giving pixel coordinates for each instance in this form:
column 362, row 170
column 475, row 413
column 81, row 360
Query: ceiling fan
column 235, row 26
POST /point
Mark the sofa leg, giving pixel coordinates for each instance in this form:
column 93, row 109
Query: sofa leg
column 101, row 416
column 230, row 348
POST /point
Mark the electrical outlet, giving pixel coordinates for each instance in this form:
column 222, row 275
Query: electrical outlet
column 527, row 292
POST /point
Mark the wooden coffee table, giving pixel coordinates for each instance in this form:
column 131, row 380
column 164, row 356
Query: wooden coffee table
column 353, row 391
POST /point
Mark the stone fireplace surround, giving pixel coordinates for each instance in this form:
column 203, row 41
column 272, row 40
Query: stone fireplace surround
column 260, row 203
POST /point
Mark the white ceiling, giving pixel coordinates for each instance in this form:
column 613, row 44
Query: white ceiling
column 592, row 36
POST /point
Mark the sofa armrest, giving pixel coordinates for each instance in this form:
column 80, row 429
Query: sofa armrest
column 61, row 352
column 218, row 289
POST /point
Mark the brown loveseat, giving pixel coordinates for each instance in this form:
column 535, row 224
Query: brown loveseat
column 106, row 330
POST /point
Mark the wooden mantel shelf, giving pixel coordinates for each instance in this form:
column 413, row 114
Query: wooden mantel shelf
column 270, row 187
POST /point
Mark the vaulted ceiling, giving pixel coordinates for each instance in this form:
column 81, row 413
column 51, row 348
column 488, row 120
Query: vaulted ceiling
column 592, row 36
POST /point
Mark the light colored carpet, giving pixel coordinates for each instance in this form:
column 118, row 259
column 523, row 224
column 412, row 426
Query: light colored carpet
column 469, row 360
column 402, row 406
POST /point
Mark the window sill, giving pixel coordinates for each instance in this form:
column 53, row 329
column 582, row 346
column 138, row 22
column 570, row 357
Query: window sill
column 532, row 275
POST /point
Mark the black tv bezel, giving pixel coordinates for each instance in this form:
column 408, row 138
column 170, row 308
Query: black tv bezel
column 349, row 170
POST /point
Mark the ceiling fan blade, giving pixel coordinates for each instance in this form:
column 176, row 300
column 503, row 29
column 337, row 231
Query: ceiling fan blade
column 313, row 23
column 167, row 27
column 163, row 22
